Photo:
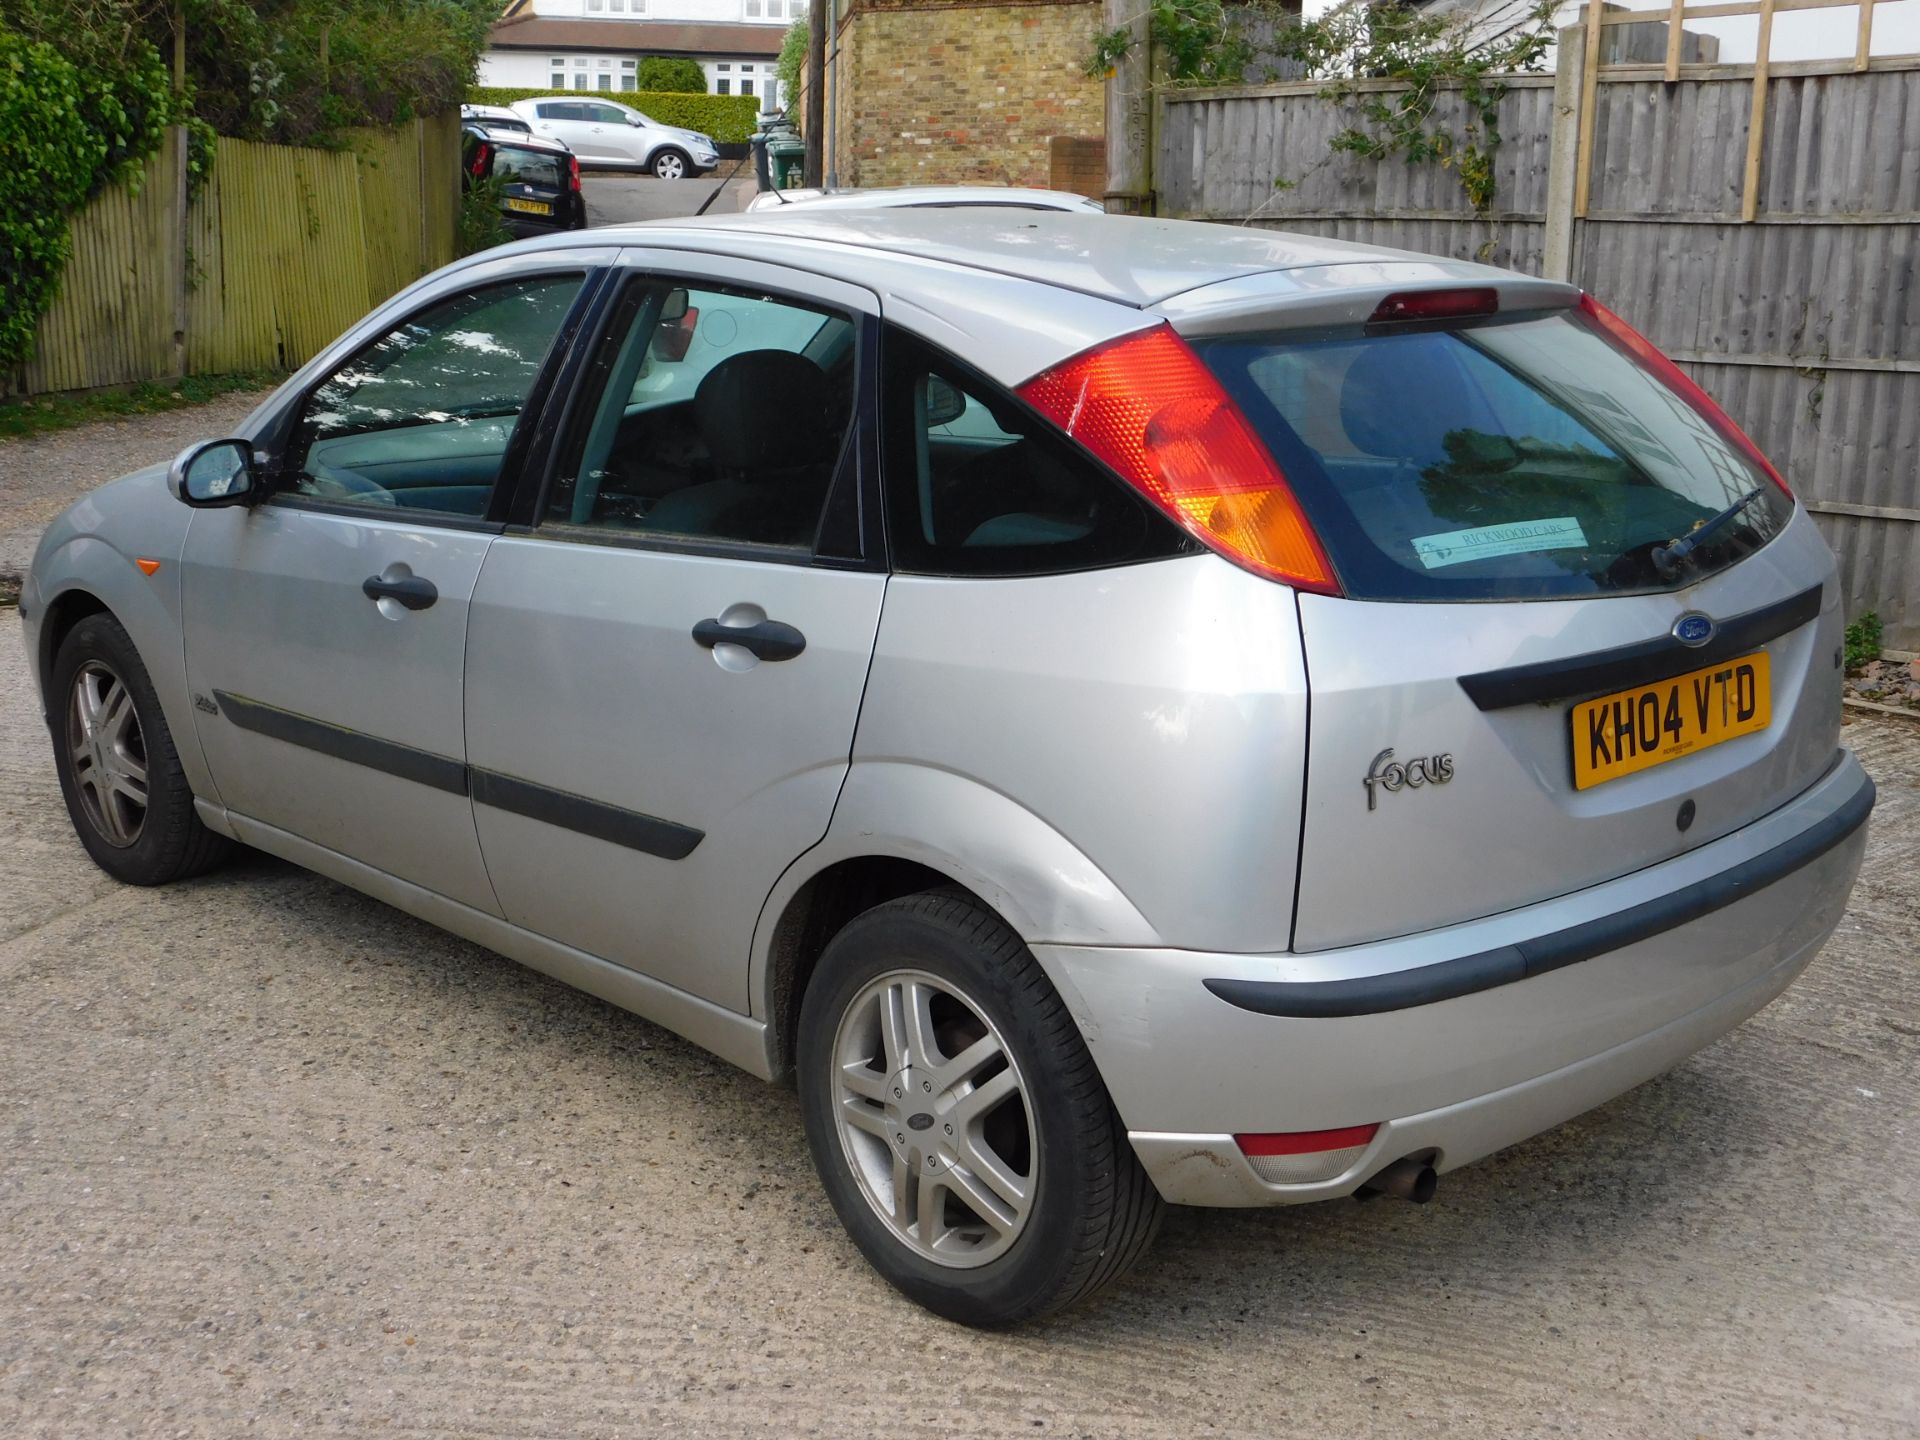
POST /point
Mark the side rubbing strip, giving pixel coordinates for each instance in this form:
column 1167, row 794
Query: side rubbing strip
column 590, row 817
column 1429, row 984
column 1641, row 663
column 421, row 766
column 503, row 792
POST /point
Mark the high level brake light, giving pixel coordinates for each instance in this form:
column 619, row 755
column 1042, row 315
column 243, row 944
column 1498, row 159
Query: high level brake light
column 1411, row 306
column 1649, row 358
column 1148, row 407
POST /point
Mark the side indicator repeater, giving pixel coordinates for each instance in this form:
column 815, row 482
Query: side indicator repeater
column 148, row 567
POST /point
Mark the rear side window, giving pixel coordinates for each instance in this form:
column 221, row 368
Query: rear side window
column 978, row 485
column 1528, row 458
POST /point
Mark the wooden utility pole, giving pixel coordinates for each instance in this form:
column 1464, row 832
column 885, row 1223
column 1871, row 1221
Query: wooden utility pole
column 813, row 125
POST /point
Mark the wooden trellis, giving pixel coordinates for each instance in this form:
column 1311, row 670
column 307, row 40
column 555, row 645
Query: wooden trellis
column 1598, row 71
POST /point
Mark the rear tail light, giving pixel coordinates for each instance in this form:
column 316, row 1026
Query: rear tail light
column 573, row 171
column 1305, row 1157
column 1148, row 407
column 1677, row 380
column 1416, row 305
column 481, row 155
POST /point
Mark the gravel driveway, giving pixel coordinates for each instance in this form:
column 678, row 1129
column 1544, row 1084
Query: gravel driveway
column 278, row 1159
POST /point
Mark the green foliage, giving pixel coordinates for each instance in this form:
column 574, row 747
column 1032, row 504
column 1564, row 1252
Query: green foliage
column 30, row 416
column 1428, row 55
column 480, row 226
column 1861, row 640
column 679, row 75
column 299, row 72
column 729, row 119
column 71, row 131
column 793, row 55
column 1202, row 42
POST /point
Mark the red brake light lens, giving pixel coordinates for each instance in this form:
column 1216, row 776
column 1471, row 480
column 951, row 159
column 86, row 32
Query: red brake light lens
column 1305, row 1142
column 573, row 171
column 482, row 153
column 1649, row 358
column 1412, row 305
column 1148, row 407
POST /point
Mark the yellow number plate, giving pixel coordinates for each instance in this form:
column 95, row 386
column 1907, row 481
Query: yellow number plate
column 532, row 207
column 1651, row 724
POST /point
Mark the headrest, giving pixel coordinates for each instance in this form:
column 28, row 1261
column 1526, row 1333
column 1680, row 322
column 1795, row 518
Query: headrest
column 1400, row 401
column 767, row 410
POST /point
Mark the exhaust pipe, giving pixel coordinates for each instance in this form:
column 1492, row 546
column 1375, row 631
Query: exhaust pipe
column 1407, row 1179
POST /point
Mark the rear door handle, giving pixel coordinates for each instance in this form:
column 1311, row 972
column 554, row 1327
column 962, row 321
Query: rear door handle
column 416, row 592
column 768, row 640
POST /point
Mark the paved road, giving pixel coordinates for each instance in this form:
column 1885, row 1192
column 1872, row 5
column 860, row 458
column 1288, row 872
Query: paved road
column 279, row 1160
column 613, row 199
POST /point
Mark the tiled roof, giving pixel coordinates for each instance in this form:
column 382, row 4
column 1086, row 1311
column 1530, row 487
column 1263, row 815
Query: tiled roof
column 642, row 37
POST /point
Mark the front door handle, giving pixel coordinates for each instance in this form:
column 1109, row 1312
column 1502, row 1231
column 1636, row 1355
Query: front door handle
column 768, row 640
column 416, row 592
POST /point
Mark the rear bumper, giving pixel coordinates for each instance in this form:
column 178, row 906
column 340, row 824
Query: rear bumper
column 1460, row 1041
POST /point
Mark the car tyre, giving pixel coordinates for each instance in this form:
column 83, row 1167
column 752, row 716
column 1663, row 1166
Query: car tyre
column 671, row 165
column 957, row 1121
column 119, row 771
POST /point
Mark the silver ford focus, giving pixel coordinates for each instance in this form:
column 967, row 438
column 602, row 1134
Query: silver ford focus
column 1117, row 711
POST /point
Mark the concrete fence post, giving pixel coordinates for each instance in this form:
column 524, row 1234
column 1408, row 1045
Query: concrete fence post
column 1563, row 154
column 1130, row 113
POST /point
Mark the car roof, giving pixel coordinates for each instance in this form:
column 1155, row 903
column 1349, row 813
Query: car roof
column 1130, row 260
column 930, row 197
column 520, row 139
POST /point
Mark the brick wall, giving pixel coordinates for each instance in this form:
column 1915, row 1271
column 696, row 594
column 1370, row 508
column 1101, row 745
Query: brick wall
column 955, row 92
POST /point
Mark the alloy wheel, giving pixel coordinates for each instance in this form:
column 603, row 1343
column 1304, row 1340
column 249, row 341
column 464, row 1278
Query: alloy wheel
column 109, row 754
column 934, row 1118
column 670, row 167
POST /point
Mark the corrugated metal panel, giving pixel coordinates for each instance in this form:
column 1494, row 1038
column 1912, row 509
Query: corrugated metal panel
column 283, row 249
column 113, row 318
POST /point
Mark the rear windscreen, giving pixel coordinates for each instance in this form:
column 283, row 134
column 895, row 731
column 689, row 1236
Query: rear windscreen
column 1526, row 458
column 530, row 167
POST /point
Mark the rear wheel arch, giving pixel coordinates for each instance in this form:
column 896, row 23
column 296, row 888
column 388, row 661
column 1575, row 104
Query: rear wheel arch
column 813, row 915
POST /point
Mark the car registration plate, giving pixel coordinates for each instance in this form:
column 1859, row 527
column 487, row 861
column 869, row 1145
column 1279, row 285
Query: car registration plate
column 530, row 207
column 1649, row 725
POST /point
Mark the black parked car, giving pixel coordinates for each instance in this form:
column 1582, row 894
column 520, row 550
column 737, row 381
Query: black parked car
column 541, row 193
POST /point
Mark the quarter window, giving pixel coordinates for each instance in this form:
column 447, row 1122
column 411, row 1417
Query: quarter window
column 422, row 418
column 978, row 485
column 722, row 416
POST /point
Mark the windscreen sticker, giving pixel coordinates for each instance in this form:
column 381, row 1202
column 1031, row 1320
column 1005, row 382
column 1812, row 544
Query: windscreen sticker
column 1523, row 537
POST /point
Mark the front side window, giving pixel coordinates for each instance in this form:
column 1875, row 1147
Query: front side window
column 1523, row 459
column 977, row 485
column 722, row 417
column 422, row 418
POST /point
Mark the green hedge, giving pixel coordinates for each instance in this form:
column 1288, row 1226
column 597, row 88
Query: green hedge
column 729, row 119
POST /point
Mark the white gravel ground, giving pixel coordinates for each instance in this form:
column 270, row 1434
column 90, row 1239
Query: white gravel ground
column 279, row 1160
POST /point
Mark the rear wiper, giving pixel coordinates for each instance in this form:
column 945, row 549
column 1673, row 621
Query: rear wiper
column 1667, row 558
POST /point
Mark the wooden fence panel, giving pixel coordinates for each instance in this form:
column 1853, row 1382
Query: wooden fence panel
column 1802, row 322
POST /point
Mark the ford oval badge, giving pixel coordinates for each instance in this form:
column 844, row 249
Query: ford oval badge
column 1693, row 629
